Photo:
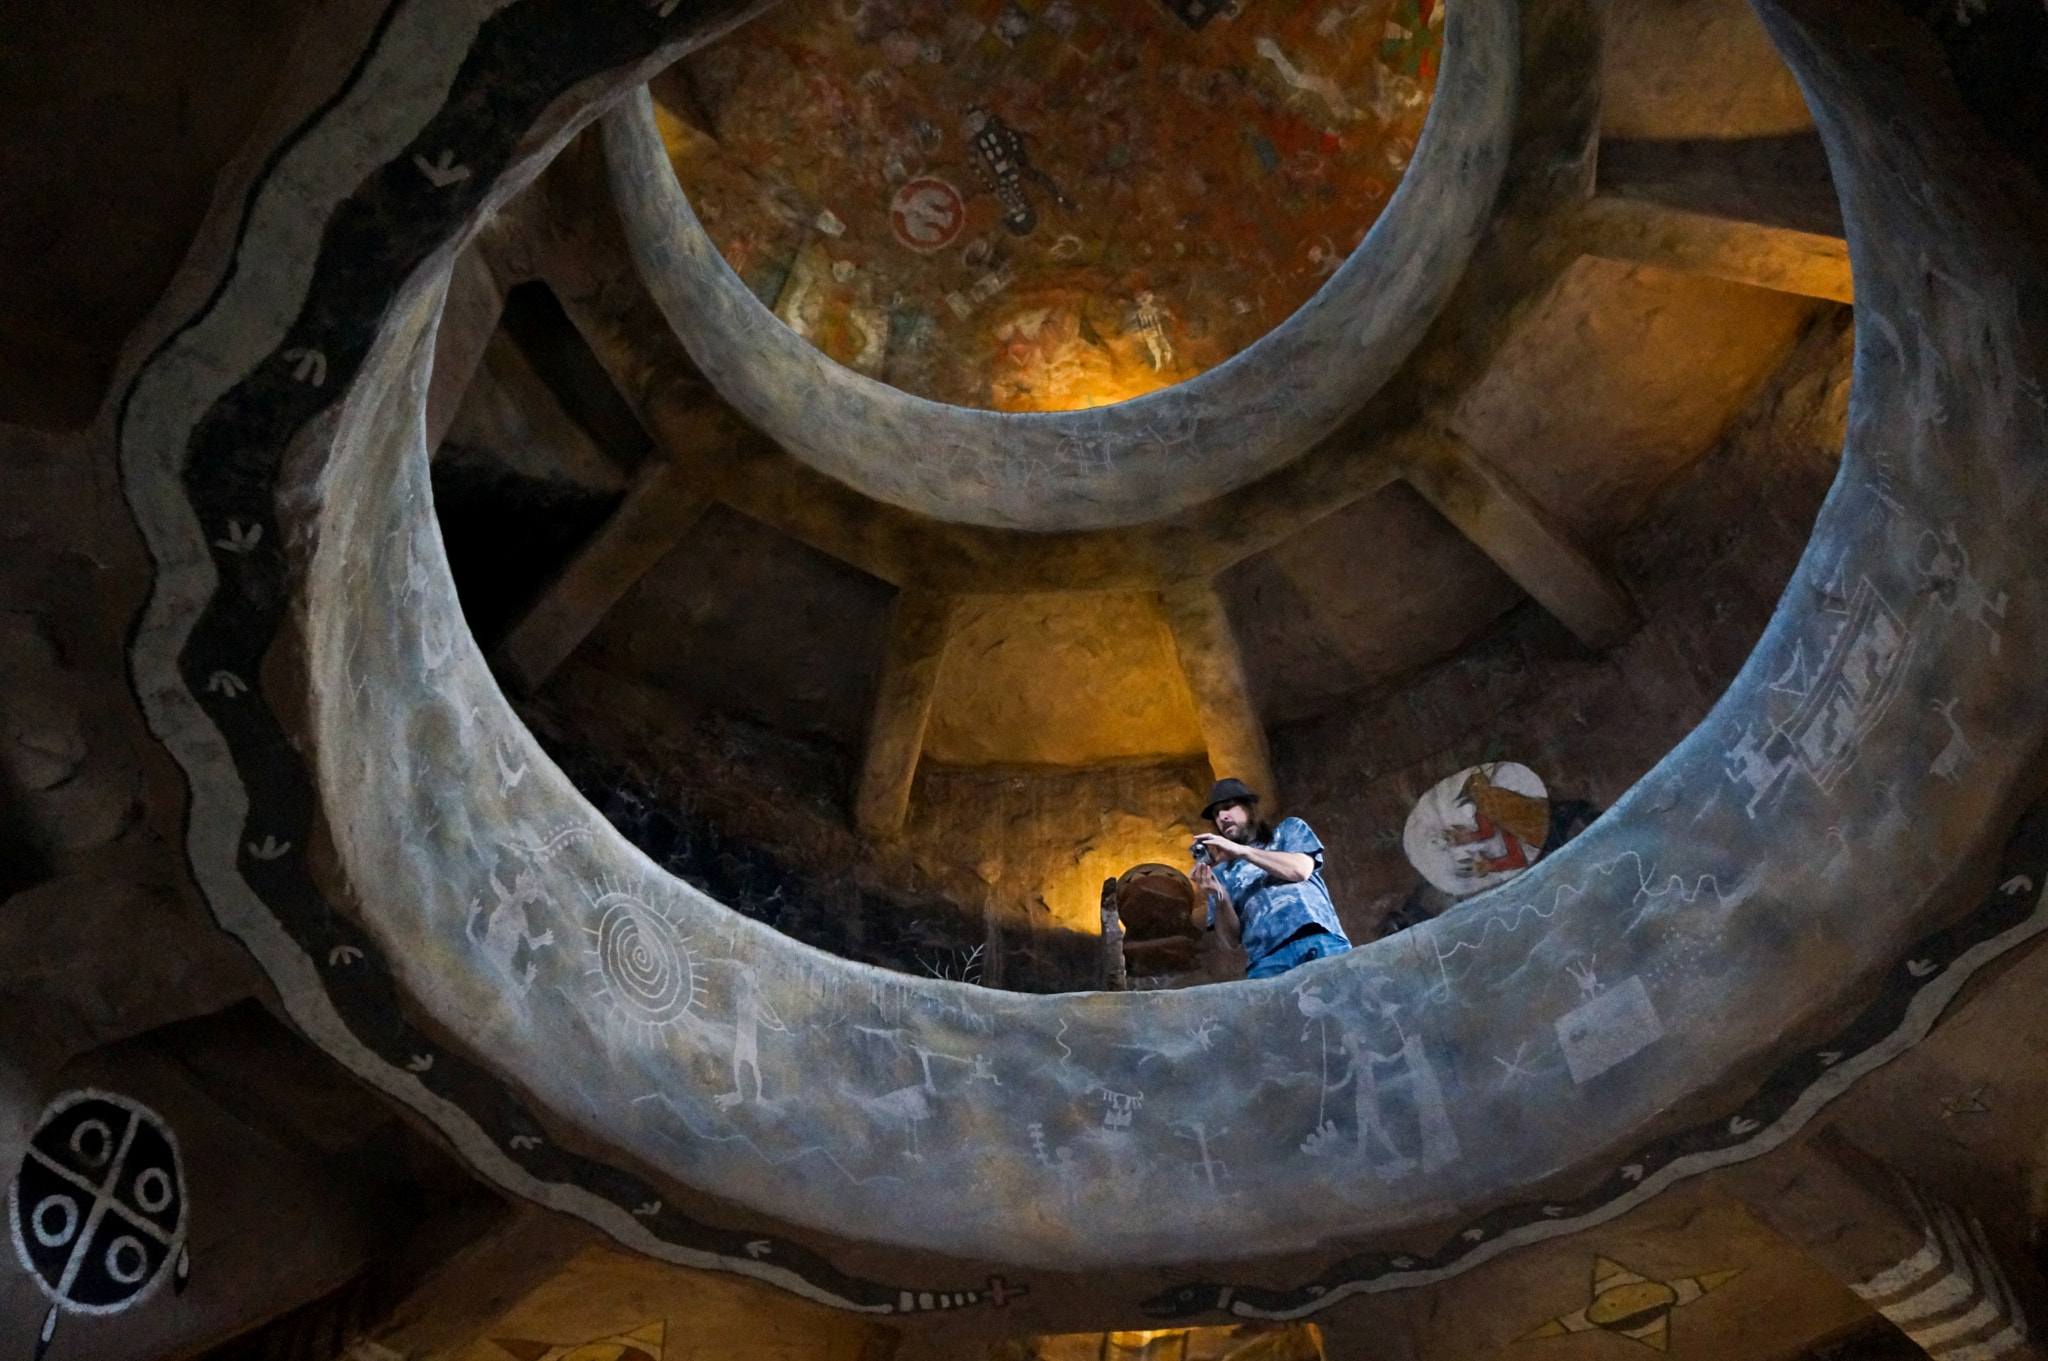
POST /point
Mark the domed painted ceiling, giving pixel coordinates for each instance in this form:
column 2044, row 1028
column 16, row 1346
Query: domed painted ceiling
column 1043, row 205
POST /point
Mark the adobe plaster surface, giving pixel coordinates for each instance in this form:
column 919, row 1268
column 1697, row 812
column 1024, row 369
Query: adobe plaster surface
column 900, row 1092
column 1134, row 460
column 73, row 919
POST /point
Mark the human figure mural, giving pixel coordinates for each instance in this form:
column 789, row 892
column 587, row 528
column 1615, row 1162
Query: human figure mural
column 1396, row 1096
column 751, row 1012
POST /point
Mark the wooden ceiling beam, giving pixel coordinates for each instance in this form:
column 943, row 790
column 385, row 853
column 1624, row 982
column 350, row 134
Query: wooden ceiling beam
column 1510, row 527
column 920, row 627
column 469, row 318
column 1635, row 231
column 1760, row 211
column 1206, row 645
column 660, row 508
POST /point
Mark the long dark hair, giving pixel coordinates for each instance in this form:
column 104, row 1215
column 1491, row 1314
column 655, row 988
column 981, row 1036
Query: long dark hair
column 1262, row 832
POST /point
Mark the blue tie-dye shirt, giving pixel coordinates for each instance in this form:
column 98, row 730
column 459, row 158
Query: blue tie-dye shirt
column 1269, row 912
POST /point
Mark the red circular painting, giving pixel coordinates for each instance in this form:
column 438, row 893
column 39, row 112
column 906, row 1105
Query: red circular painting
column 927, row 213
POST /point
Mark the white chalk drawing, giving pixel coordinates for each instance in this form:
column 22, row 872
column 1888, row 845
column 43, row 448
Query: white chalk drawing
column 442, row 171
column 751, row 1013
column 1821, row 713
column 1397, row 1100
column 1515, row 1069
column 343, row 954
column 309, row 366
column 1582, row 974
column 270, row 848
column 640, row 961
column 227, row 683
column 1613, row 1025
column 1650, row 889
column 240, row 539
column 437, row 640
column 1951, row 757
column 509, row 775
column 1209, row 1164
column 1478, row 828
column 907, row 1107
column 1119, row 1108
column 505, row 930
column 1944, row 566
column 554, row 844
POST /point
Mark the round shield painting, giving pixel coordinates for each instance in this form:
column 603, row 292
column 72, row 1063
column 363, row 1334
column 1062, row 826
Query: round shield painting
column 97, row 1211
column 1478, row 828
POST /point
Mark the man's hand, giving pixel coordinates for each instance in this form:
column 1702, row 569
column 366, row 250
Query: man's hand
column 1220, row 846
column 1226, row 922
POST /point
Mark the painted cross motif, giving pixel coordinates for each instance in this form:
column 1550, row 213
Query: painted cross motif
column 97, row 1210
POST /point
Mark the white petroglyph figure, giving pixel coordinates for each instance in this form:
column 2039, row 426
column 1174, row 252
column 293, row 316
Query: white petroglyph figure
column 642, row 965
column 1408, row 1100
column 1583, row 975
column 1952, row 757
column 751, row 1012
column 504, row 930
column 908, row 1106
column 1152, row 325
column 1607, row 1028
column 1945, row 574
column 1119, row 1108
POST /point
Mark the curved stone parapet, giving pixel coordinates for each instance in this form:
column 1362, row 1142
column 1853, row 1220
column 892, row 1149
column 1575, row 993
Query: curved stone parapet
column 442, row 911
column 1134, row 460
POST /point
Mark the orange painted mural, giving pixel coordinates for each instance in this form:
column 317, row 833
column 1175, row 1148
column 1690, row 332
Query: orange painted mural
column 1036, row 205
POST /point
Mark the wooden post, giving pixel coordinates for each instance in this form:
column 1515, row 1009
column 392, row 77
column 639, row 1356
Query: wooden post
column 1114, row 976
column 1209, row 657
column 918, row 633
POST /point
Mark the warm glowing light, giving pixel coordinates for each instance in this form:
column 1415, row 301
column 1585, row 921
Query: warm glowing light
column 1075, row 893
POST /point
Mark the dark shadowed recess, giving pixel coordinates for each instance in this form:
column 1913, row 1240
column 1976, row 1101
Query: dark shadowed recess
column 1998, row 53
column 424, row 1206
column 535, row 321
column 655, row 804
column 508, row 534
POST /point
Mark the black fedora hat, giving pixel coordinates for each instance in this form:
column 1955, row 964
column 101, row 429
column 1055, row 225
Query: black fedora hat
column 1227, row 791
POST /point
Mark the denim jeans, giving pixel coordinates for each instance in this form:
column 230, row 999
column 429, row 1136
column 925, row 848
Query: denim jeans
column 1296, row 953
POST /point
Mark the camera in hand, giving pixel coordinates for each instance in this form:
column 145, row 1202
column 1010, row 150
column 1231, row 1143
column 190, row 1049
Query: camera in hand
column 1201, row 852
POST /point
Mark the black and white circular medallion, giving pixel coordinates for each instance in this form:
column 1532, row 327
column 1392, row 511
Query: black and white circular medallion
column 97, row 1211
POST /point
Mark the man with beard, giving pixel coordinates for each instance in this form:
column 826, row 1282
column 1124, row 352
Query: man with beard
column 1264, row 884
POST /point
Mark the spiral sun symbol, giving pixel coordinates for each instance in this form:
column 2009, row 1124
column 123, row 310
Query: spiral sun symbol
column 641, row 962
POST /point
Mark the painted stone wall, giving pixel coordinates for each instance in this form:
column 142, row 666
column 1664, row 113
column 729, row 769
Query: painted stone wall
column 996, row 880
column 1025, row 848
column 1184, row 177
column 1707, row 565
